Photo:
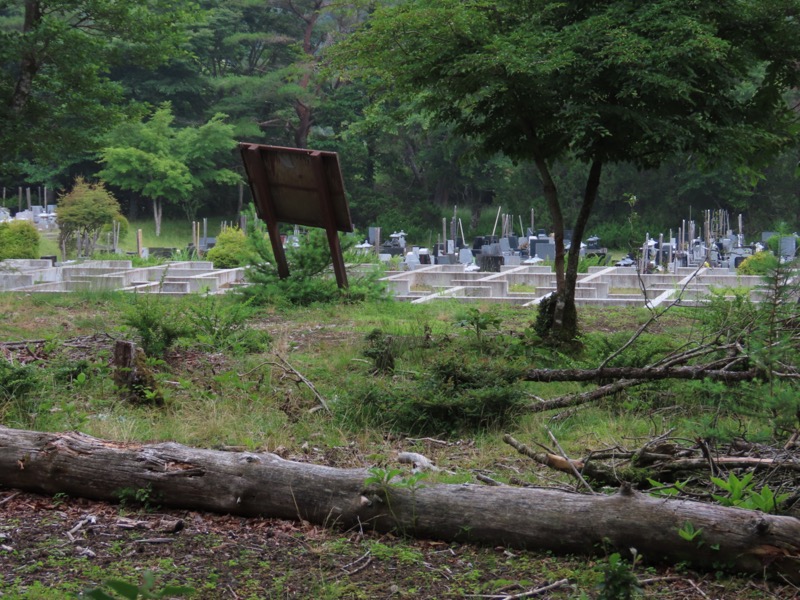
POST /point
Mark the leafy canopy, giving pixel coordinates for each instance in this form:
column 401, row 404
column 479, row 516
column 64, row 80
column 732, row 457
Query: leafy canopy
column 612, row 81
column 609, row 81
column 56, row 95
column 162, row 162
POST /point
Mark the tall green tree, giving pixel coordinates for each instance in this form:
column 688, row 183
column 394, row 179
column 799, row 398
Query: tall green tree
column 312, row 26
column 613, row 81
column 81, row 215
column 169, row 164
column 56, row 98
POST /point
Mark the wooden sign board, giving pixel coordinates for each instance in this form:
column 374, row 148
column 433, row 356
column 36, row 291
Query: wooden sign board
column 300, row 187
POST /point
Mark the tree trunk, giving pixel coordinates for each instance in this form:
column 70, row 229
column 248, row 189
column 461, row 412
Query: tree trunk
column 551, row 196
column 29, row 65
column 568, row 319
column 157, row 210
column 565, row 314
column 133, row 207
column 251, row 484
column 303, row 109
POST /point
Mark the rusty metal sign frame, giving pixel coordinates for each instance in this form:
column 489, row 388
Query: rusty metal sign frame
column 299, row 187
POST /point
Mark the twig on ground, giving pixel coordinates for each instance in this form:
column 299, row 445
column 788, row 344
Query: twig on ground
column 529, row 594
column 9, row 498
column 366, row 558
column 697, row 587
column 81, row 523
column 430, row 440
column 652, row 580
column 549, row 459
column 284, row 364
column 571, row 463
column 487, row 480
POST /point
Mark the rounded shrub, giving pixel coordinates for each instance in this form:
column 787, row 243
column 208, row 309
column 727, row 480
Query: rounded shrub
column 231, row 249
column 759, row 263
column 18, row 239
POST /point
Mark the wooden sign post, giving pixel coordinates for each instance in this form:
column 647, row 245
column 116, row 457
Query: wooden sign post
column 301, row 187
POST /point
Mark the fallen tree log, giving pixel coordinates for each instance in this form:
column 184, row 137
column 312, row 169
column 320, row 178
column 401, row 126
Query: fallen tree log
column 263, row 484
column 644, row 374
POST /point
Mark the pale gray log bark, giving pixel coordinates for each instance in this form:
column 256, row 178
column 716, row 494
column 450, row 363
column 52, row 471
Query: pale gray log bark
column 263, row 484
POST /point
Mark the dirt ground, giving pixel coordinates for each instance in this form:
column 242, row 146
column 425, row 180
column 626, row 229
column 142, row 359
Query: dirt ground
column 70, row 545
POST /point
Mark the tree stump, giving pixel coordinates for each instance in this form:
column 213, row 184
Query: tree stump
column 134, row 378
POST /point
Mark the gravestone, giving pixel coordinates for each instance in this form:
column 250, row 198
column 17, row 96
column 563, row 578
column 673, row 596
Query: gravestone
column 788, row 247
column 374, row 235
column 465, row 256
column 545, row 251
column 491, row 249
column 412, row 261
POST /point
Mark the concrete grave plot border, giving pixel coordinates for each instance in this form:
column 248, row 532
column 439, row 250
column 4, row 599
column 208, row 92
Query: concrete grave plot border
column 173, row 278
column 601, row 286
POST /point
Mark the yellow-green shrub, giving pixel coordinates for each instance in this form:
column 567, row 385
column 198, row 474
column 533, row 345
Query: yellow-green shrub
column 759, row 263
column 230, row 251
column 18, row 239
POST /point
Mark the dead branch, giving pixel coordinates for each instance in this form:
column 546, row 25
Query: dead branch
column 571, row 464
column 417, row 461
column 644, row 374
column 654, row 314
column 729, row 462
column 544, row 458
column 284, row 364
column 570, row 400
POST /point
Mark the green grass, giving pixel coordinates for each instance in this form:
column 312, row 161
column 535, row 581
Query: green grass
column 245, row 400
column 220, row 399
column 174, row 233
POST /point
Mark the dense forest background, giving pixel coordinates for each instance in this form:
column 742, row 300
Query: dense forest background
column 153, row 95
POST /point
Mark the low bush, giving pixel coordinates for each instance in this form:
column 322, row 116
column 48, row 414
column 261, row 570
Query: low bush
column 159, row 322
column 231, row 249
column 16, row 380
column 18, row 239
column 220, row 322
column 759, row 263
column 644, row 351
column 455, row 396
column 310, row 278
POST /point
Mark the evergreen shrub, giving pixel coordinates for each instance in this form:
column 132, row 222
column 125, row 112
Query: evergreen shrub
column 457, row 395
column 231, row 249
column 18, row 239
column 760, row 263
